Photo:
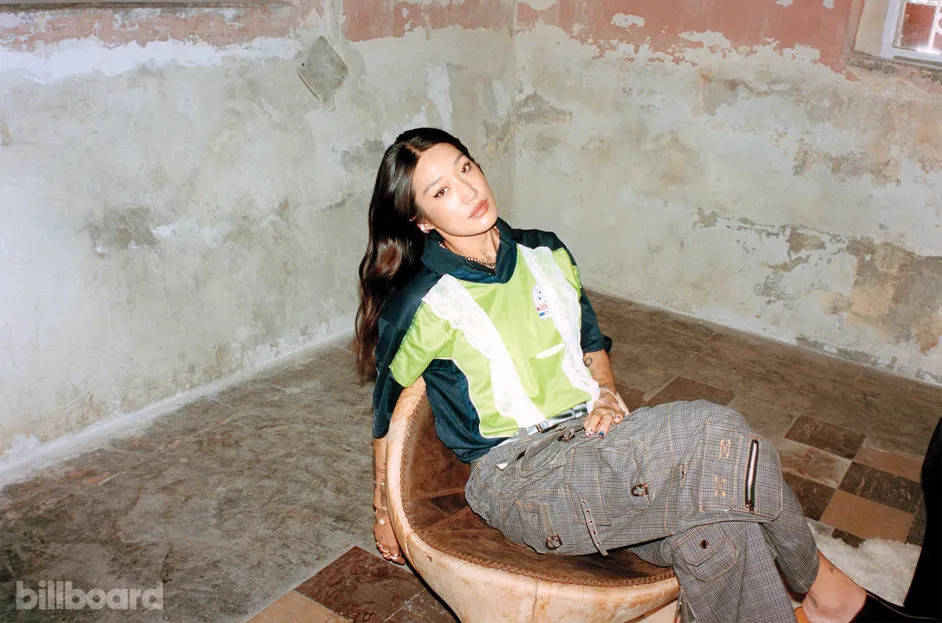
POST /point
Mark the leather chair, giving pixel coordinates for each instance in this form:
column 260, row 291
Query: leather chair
column 481, row 575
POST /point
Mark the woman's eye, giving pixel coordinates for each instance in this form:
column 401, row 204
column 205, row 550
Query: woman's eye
column 466, row 167
column 440, row 193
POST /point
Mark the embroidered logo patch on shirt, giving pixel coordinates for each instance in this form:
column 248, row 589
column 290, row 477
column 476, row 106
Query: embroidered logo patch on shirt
column 539, row 300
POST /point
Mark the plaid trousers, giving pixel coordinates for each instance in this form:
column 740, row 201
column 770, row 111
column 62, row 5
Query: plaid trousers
column 686, row 484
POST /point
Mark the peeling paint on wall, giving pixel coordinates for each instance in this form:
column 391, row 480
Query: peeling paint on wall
column 34, row 31
column 364, row 20
column 623, row 20
column 79, row 57
column 756, row 185
column 847, row 166
column 158, row 179
column 896, row 292
column 745, row 23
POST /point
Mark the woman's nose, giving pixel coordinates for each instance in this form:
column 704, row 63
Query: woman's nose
column 466, row 192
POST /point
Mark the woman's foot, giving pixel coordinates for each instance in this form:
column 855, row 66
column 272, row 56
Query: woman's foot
column 834, row 597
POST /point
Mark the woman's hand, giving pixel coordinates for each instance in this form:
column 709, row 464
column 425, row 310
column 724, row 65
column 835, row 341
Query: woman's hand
column 607, row 412
column 609, row 409
column 386, row 541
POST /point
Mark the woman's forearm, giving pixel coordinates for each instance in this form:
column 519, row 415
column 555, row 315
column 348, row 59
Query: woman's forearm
column 600, row 367
column 379, row 474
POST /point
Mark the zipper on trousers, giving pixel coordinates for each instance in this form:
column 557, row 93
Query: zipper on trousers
column 751, row 468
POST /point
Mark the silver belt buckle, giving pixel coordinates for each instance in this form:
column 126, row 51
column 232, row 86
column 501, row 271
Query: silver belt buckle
column 565, row 416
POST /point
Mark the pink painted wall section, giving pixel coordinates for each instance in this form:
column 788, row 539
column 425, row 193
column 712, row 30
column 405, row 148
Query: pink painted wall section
column 374, row 19
column 744, row 22
column 120, row 26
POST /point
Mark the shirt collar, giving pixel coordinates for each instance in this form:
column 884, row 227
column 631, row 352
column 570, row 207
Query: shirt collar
column 441, row 260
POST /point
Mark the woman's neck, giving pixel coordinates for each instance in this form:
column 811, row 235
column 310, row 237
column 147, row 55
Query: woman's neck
column 482, row 246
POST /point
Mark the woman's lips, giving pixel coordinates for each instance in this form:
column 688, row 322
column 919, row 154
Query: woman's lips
column 480, row 210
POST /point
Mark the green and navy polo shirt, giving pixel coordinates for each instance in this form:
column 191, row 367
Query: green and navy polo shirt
column 499, row 350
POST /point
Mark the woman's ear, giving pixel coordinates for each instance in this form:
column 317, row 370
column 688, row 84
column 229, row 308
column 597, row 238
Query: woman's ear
column 423, row 225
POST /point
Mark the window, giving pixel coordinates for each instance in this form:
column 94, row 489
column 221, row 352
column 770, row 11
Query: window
column 912, row 29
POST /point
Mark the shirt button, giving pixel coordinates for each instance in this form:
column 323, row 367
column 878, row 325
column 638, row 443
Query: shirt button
column 553, row 542
column 639, row 490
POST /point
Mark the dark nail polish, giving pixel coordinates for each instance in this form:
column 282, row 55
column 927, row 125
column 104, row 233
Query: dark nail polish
column 601, row 433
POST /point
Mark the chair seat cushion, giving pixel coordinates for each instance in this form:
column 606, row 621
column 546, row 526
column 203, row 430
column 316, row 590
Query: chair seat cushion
column 433, row 481
column 459, row 532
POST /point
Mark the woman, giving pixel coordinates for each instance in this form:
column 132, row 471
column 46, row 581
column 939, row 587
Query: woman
column 519, row 379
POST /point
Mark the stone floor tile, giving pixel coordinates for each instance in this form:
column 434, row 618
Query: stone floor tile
column 883, row 487
column 880, row 387
column 813, row 496
column 362, row 587
column 702, row 369
column 254, row 396
column 39, row 491
column 837, row 440
column 233, row 499
column 865, row 518
column 905, row 465
column 293, row 607
column 424, row 607
column 152, row 437
column 811, row 463
column 635, row 372
column 685, row 389
column 927, row 397
column 902, row 426
column 334, row 370
column 765, row 418
column 726, row 357
column 851, row 539
column 771, row 385
column 917, row 532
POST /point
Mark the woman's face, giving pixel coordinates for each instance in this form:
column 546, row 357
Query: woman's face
column 452, row 193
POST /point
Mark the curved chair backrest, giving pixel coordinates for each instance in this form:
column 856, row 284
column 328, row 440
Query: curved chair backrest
column 457, row 553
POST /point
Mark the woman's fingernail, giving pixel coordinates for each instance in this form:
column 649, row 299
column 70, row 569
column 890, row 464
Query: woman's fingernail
column 601, row 433
column 588, row 432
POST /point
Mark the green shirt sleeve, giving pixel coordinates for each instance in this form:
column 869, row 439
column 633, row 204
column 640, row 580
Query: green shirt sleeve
column 424, row 341
column 592, row 337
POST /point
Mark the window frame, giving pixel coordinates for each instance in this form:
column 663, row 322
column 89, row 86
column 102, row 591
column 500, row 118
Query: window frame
column 891, row 27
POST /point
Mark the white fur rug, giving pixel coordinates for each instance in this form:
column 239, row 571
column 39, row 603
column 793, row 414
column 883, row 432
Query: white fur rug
column 883, row 567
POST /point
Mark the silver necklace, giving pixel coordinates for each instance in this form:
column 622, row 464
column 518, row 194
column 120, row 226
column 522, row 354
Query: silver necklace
column 492, row 264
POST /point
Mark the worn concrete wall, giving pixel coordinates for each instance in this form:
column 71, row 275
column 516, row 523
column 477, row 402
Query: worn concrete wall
column 730, row 161
column 178, row 207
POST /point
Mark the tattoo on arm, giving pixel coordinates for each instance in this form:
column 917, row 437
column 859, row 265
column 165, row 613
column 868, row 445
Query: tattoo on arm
column 587, row 361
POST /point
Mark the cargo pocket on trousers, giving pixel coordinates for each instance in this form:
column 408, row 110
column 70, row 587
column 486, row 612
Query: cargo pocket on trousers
column 625, row 488
column 707, row 551
column 584, row 481
column 741, row 473
column 535, row 528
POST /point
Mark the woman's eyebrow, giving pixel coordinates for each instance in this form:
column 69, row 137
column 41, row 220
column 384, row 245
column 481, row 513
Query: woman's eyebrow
column 427, row 188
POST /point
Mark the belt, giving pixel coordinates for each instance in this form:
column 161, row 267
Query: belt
column 569, row 414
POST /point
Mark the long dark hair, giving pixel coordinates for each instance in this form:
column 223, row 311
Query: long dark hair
column 395, row 241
